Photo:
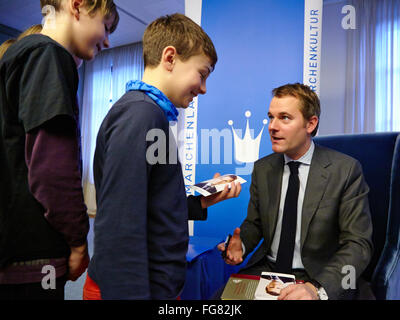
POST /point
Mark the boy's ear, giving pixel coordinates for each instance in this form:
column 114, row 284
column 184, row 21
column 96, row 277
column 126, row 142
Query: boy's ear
column 75, row 6
column 168, row 58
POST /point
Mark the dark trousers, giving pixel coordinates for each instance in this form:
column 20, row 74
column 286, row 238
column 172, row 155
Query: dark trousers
column 32, row 291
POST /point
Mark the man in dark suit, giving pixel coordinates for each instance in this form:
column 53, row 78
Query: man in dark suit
column 308, row 204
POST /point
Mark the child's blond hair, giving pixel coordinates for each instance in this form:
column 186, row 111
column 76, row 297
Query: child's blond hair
column 36, row 28
column 107, row 8
column 5, row 45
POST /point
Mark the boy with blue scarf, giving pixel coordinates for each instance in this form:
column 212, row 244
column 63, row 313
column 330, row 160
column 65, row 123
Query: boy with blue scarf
column 141, row 226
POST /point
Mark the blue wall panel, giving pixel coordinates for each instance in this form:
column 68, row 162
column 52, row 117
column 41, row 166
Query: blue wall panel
column 260, row 47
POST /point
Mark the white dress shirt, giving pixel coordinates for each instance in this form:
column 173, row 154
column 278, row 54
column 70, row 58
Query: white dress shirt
column 304, row 169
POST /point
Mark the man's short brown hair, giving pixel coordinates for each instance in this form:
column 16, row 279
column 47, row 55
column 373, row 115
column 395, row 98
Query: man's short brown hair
column 309, row 101
column 179, row 31
column 107, row 8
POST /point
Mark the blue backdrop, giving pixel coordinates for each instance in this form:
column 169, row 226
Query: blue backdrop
column 260, row 47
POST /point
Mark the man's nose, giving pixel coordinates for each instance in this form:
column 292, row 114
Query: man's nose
column 273, row 125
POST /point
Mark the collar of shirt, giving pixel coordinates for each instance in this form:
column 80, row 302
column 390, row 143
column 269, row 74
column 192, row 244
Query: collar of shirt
column 306, row 158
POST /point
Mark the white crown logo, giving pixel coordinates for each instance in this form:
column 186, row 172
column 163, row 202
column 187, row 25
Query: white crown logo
column 247, row 149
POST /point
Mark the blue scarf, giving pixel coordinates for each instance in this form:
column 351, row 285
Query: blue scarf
column 160, row 98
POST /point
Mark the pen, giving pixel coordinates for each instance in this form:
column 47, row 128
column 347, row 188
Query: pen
column 228, row 239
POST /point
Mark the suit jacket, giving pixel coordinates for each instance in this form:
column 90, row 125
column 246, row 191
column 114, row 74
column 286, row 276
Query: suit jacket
column 336, row 227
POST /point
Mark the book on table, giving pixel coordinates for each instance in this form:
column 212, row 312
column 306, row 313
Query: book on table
column 240, row 287
column 249, row 287
column 271, row 283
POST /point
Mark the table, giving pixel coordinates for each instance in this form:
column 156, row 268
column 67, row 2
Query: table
column 206, row 270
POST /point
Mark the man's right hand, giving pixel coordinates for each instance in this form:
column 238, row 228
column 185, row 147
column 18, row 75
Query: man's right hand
column 234, row 254
column 78, row 262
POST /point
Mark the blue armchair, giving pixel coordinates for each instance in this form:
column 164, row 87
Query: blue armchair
column 379, row 155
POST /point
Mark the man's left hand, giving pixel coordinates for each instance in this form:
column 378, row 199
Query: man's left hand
column 225, row 194
column 303, row 291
